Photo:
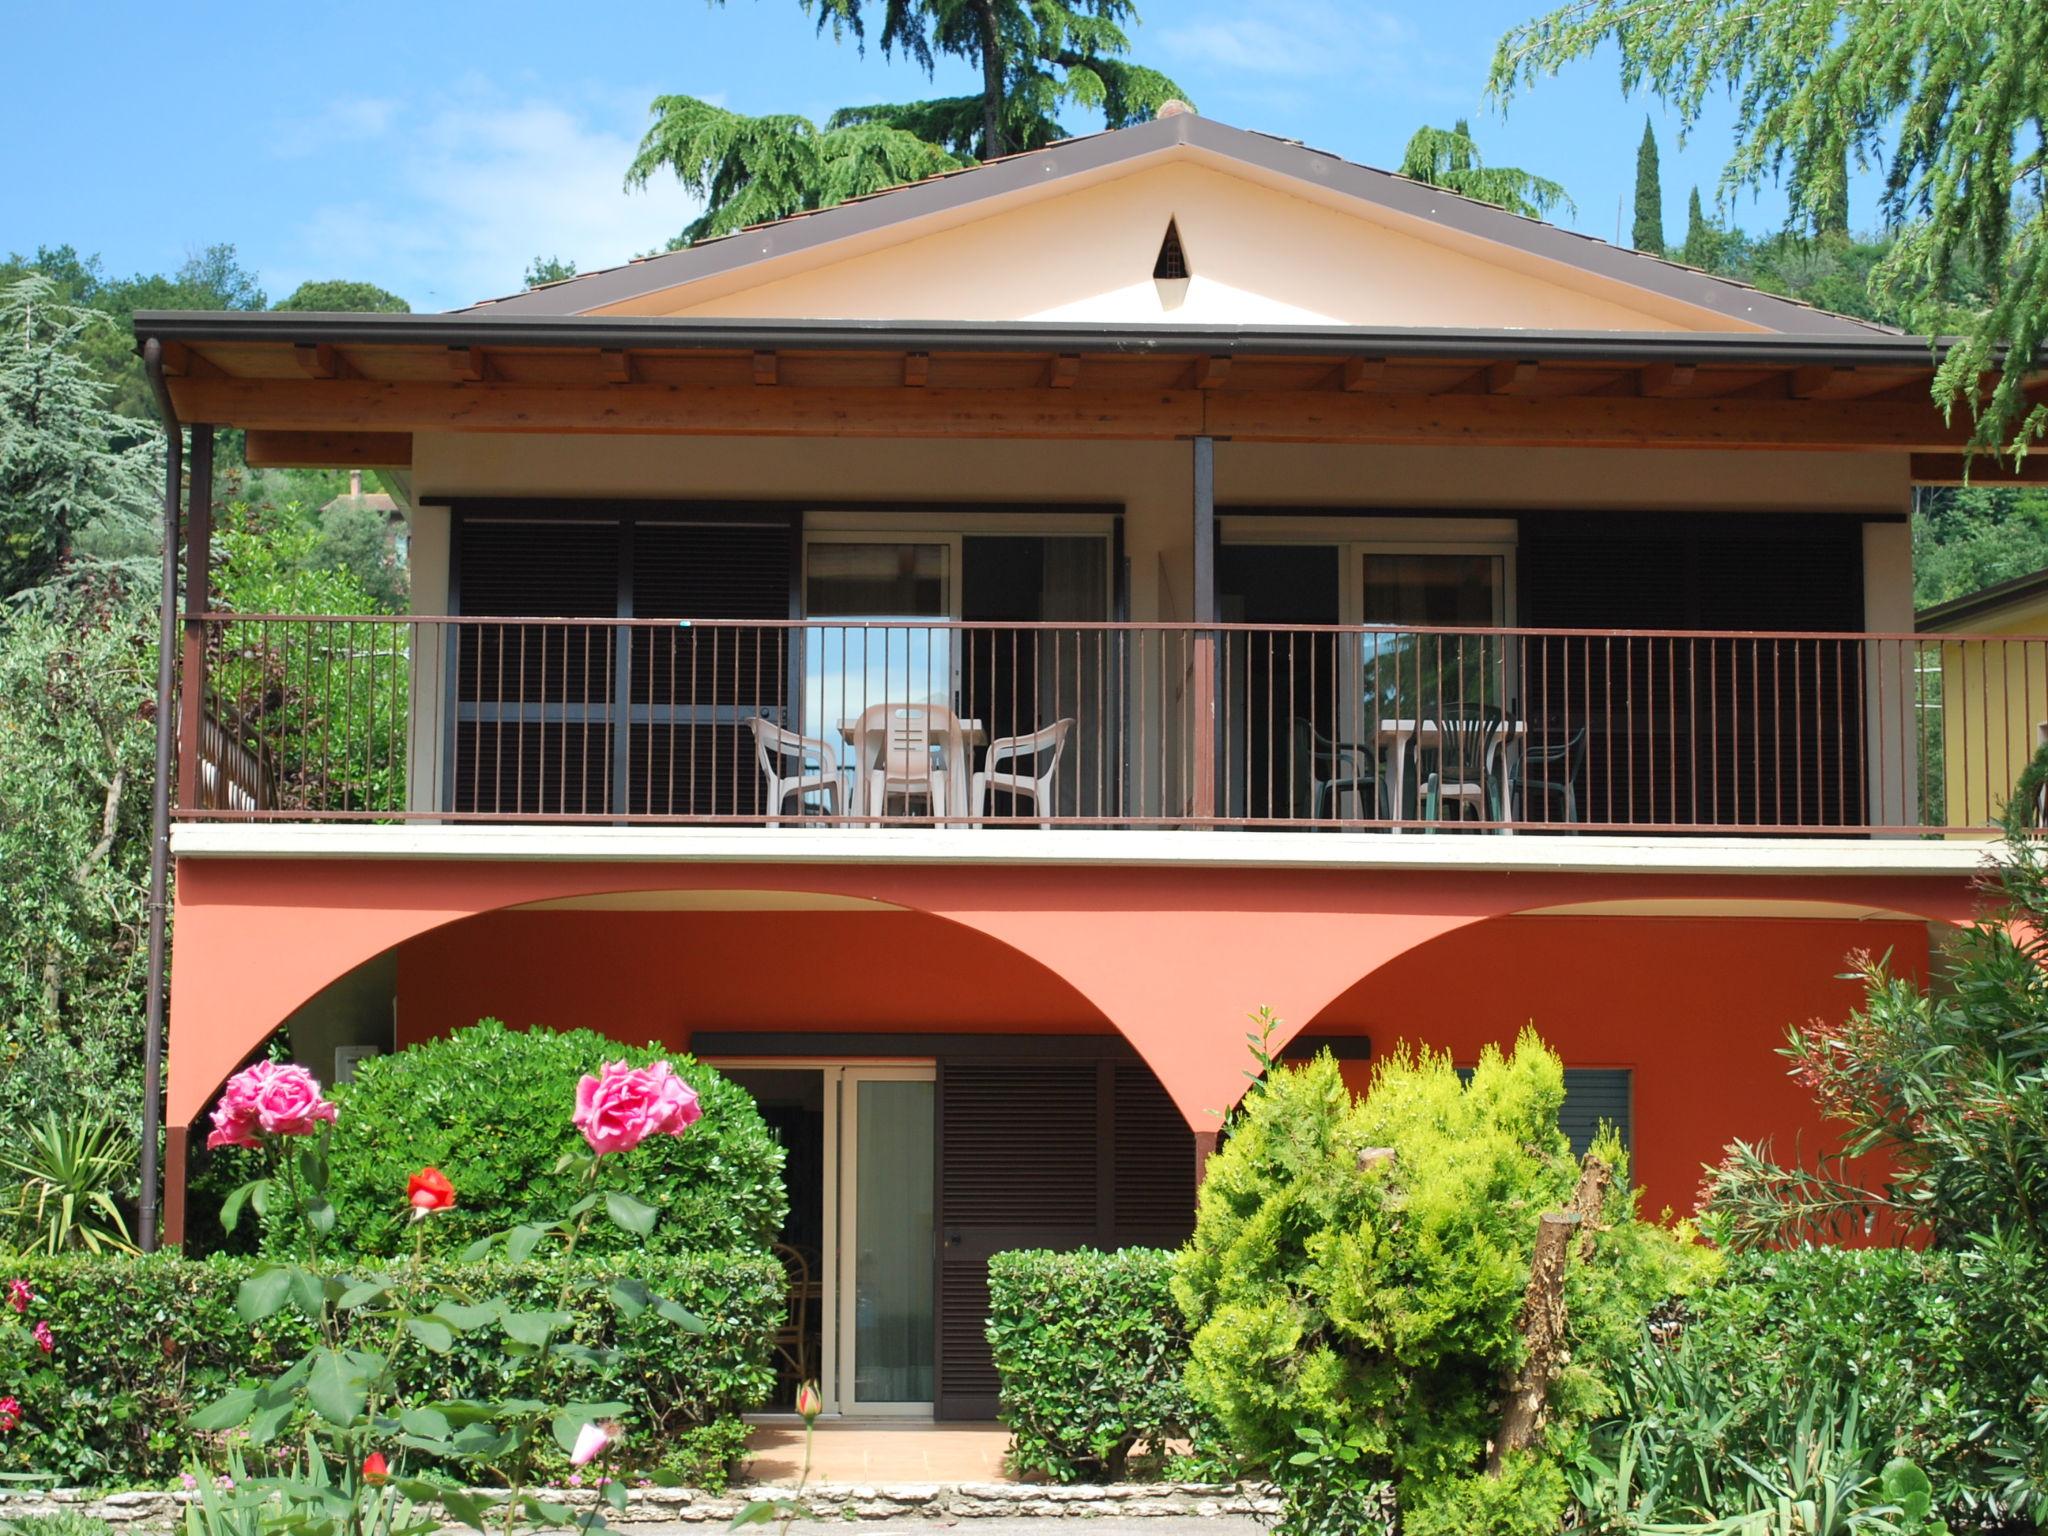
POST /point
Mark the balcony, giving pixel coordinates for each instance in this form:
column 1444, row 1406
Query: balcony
column 1357, row 729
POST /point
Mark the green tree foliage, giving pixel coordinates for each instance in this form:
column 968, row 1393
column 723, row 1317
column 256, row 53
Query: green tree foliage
column 70, row 469
column 489, row 1106
column 1355, row 1316
column 749, row 170
column 1648, row 232
column 543, row 270
column 1036, row 58
column 1948, row 95
column 338, row 295
column 1967, row 538
column 1702, row 238
column 214, row 278
column 1449, row 158
column 1940, row 1094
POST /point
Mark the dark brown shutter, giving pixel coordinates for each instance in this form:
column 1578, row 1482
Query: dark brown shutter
column 1044, row 1153
column 1729, row 733
column 532, row 700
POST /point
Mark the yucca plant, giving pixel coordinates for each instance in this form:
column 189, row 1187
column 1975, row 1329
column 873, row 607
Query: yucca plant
column 69, row 1171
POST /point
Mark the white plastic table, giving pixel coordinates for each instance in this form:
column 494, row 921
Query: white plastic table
column 1396, row 734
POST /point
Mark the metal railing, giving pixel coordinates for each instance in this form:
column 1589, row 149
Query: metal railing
column 865, row 722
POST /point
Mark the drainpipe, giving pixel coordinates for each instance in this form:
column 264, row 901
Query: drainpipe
column 160, row 797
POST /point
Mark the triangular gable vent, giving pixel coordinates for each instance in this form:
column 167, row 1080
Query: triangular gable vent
column 1173, row 261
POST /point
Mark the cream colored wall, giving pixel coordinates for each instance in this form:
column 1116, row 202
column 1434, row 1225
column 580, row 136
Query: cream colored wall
column 1259, row 255
column 1994, row 707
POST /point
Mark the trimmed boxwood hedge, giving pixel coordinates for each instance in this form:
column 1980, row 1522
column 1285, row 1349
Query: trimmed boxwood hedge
column 141, row 1343
column 1090, row 1348
column 489, row 1106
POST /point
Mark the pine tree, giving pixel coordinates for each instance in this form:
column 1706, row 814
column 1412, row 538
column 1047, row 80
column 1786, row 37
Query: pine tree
column 1649, row 227
column 1449, row 158
column 1034, row 56
column 1952, row 90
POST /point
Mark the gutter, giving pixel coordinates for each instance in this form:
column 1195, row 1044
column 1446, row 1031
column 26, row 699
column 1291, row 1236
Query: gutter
column 160, row 799
column 663, row 333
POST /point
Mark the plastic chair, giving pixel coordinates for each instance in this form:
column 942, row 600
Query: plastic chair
column 792, row 1339
column 1041, row 751
column 911, row 750
column 1458, row 767
column 794, row 764
column 1553, row 768
column 1329, row 770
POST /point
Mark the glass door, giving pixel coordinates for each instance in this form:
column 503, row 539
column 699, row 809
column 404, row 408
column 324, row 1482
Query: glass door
column 888, row 657
column 887, row 1172
column 1460, row 591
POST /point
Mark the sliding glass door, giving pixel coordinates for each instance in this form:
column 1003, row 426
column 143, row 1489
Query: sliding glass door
column 887, row 1150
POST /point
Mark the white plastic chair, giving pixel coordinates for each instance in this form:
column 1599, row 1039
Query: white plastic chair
column 795, row 764
column 1041, row 750
column 909, row 750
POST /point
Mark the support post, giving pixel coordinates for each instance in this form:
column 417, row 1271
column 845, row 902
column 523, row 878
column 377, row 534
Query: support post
column 1202, row 686
column 192, row 684
column 160, row 802
column 1205, row 1148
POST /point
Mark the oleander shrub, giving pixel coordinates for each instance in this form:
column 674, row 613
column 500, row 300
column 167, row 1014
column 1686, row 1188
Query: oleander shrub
column 1354, row 1317
column 1092, row 1352
column 142, row 1343
column 489, row 1106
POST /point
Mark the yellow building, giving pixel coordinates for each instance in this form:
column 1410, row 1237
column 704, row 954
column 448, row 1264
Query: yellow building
column 1986, row 700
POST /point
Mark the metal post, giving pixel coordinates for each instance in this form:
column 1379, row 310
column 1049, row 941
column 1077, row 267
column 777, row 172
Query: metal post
column 1203, row 683
column 198, row 559
column 160, row 801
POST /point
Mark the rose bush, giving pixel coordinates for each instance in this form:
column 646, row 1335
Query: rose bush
column 352, row 1477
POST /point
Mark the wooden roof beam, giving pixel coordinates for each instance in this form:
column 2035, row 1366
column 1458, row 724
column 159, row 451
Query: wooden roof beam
column 328, row 450
column 319, row 360
column 1662, row 381
column 1211, row 372
column 1960, row 469
column 1065, row 369
column 917, row 369
column 1363, row 373
column 617, row 365
column 468, row 364
column 1510, row 378
column 1251, row 415
column 767, row 369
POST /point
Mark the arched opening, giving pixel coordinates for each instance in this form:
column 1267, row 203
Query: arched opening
column 1670, row 1023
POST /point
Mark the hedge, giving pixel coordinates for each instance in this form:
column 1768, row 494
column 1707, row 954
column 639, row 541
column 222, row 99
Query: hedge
column 489, row 1106
column 142, row 1343
column 1090, row 1348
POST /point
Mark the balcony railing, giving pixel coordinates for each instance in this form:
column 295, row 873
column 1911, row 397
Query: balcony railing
column 867, row 722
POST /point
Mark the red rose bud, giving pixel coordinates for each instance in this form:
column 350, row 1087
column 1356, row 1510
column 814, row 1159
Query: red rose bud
column 375, row 1468
column 429, row 1190
column 808, row 1403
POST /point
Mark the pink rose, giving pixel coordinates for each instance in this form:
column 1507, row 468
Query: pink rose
column 10, row 1414
column 45, row 1340
column 270, row 1098
column 19, row 1295
column 622, row 1106
column 592, row 1440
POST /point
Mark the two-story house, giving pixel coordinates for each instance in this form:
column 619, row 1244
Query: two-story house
column 950, row 657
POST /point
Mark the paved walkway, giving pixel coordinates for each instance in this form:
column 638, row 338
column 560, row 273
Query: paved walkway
column 916, row 1451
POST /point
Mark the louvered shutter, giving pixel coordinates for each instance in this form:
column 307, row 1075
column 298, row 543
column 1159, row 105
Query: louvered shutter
column 1593, row 1096
column 694, row 686
column 532, row 706
column 1731, row 732
column 1038, row 1152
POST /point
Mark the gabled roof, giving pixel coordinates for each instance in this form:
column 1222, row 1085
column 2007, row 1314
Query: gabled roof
column 1185, row 135
column 1985, row 603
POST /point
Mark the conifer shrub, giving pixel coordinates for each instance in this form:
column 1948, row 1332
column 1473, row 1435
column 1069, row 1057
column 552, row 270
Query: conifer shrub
column 1356, row 1317
column 489, row 1106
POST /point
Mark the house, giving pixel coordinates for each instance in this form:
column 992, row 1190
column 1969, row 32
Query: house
column 1993, row 691
column 950, row 657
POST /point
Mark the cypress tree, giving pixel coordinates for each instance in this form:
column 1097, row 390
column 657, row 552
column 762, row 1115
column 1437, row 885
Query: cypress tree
column 1699, row 235
column 1649, row 227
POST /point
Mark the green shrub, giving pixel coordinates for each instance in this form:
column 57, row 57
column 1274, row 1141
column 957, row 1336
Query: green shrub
column 1802, row 1336
column 489, row 1106
column 1092, row 1351
column 141, row 1343
column 1375, row 1308
column 66, row 1522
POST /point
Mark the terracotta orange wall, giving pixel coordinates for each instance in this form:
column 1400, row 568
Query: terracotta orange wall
column 1696, row 1008
column 641, row 976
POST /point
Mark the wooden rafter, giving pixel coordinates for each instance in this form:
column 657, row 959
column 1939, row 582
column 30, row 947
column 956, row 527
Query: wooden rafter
column 328, row 450
column 468, row 364
column 1660, row 381
column 917, row 369
column 767, row 370
column 1510, row 378
column 319, row 360
column 618, row 365
column 1270, row 415
column 1065, row 369
column 1211, row 372
column 1361, row 373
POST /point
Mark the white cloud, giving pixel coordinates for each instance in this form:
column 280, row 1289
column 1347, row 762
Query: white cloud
column 1276, row 53
column 469, row 191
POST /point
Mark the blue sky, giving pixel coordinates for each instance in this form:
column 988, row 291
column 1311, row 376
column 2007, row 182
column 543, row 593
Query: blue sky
column 436, row 146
